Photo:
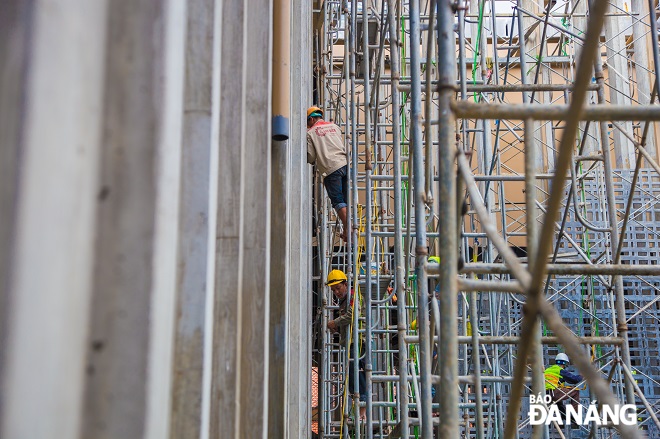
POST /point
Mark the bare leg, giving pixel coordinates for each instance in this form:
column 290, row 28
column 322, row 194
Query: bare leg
column 343, row 216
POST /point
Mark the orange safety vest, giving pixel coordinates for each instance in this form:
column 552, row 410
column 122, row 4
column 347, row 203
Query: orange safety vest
column 552, row 377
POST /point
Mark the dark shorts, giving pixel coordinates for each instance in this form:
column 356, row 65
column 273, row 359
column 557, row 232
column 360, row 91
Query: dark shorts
column 336, row 184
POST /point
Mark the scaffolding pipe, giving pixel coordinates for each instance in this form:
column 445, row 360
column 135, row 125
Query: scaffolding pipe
column 552, row 112
column 507, row 339
column 366, row 67
column 366, row 72
column 447, row 220
column 538, row 380
column 428, row 107
column 476, row 364
column 648, row 406
column 617, row 281
column 501, row 88
column 421, row 251
column 400, row 274
column 562, row 269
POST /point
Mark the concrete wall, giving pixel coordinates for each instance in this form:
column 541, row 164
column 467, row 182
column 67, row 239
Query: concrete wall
column 139, row 192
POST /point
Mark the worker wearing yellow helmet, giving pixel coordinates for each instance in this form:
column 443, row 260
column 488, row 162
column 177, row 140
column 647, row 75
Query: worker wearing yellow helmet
column 338, row 283
column 326, row 149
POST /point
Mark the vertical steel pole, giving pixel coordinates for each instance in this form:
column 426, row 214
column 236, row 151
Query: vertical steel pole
column 400, row 274
column 531, row 155
column 476, row 361
column 449, row 421
column 366, row 75
column 428, row 105
column 421, row 251
column 617, row 281
column 538, row 382
column 353, row 217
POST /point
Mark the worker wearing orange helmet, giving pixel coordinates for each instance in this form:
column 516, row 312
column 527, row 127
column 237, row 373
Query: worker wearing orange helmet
column 326, row 148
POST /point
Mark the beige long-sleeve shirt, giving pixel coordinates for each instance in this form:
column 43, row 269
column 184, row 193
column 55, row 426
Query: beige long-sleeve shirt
column 325, row 146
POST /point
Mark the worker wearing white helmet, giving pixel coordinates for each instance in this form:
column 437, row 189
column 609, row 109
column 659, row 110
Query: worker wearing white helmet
column 559, row 383
column 326, row 148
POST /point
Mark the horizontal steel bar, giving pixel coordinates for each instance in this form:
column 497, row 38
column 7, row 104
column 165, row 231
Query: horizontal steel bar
column 469, row 110
column 485, row 285
column 487, row 339
column 565, row 269
column 502, row 177
column 523, row 87
column 469, row 379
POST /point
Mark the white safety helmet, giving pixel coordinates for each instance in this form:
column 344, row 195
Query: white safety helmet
column 561, row 359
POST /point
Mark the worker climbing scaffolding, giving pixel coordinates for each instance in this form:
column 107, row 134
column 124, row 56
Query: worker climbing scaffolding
column 338, row 283
column 326, row 149
column 560, row 384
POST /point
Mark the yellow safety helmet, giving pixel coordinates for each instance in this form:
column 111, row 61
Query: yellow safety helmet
column 335, row 277
column 314, row 112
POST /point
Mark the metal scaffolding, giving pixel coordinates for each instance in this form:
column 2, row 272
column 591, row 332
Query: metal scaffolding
column 505, row 207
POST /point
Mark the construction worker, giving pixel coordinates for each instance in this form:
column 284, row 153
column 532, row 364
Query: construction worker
column 325, row 147
column 559, row 383
column 338, row 283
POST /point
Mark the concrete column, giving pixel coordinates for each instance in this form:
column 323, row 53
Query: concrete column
column 254, row 252
column 191, row 285
column 225, row 365
column 129, row 350
column 50, row 114
column 16, row 23
column 299, row 324
column 240, row 360
column 163, row 296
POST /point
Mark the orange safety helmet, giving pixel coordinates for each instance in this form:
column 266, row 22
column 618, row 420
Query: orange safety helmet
column 314, row 112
